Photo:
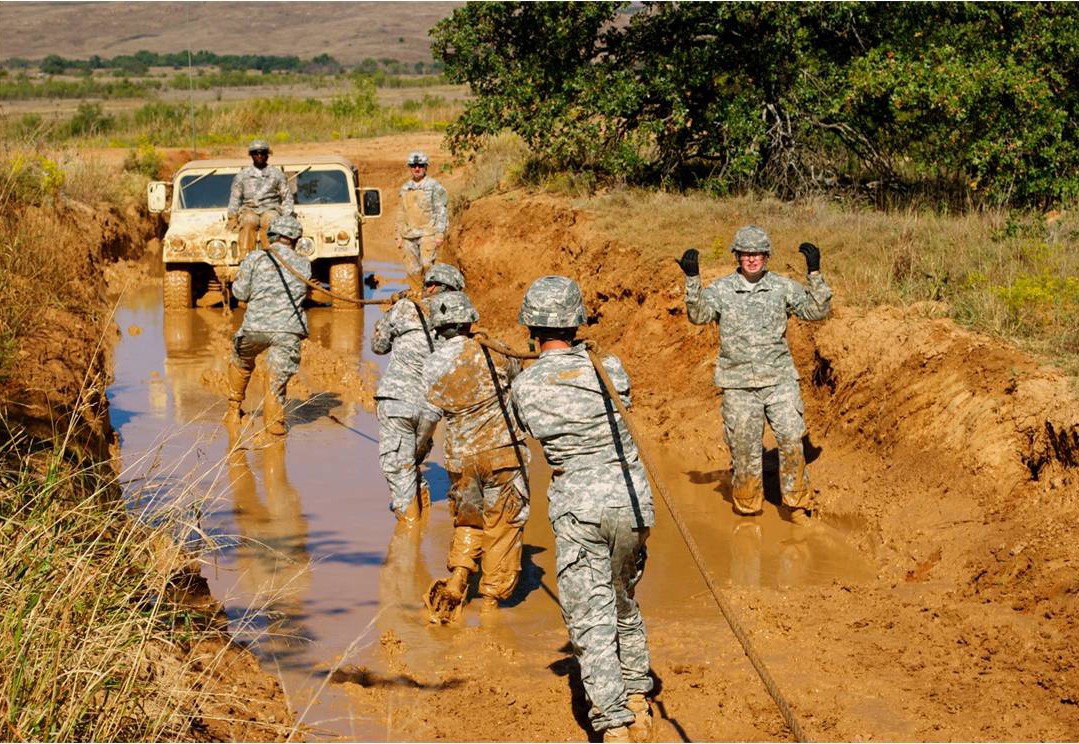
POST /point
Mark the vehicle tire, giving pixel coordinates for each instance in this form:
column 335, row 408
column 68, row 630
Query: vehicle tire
column 345, row 281
column 176, row 285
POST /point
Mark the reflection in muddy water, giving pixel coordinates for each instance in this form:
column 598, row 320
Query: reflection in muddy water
column 308, row 559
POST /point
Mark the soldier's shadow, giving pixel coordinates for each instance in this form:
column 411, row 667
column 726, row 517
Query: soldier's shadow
column 318, row 406
column 770, row 466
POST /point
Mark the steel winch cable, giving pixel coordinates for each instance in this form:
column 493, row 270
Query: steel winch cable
column 318, row 287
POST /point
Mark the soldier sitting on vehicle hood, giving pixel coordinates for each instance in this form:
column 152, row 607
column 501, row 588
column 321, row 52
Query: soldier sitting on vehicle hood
column 260, row 192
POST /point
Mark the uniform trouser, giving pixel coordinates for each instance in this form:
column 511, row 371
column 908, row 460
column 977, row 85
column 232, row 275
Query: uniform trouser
column 282, row 362
column 490, row 507
column 397, row 457
column 744, row 413
column 420, row 253
column 599, row 566
column 253, row 224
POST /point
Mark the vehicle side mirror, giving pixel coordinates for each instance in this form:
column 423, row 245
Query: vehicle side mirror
column 157, row 197
column 371, row 199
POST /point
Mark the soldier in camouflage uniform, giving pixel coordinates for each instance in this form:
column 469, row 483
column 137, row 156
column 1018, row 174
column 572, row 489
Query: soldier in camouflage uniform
column 260, row 192
column 422, row 216
column 484, row 450
column 600, row 506
column 405, row 334
column 274, row 320
column 755, row 369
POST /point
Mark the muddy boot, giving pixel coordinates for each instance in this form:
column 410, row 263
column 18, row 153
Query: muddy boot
column 488, row 604
column 273, row 416
column 236, row 380
column 801, row 517
column 618, row 733
column 641, row 728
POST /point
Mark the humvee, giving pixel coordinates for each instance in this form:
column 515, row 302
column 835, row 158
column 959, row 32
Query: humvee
column 201, row 256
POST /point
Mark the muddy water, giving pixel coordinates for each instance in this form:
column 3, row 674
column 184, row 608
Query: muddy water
column 304, row 553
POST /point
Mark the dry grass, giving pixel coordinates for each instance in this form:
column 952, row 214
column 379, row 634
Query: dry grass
column 1011, row 275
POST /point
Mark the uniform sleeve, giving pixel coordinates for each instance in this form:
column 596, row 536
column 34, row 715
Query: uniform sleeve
column 385, row 331
column 236, row 193
column 400, row 222
column 241, row 286
column 429, row 411
column 699, row 308
column 440, row 208
column 516, row 394
column 619, row 377
column 814, row 303
column 285, row 193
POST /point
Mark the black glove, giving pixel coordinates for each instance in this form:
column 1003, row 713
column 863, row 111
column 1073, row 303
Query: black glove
column 812, row 254
column 690, row 262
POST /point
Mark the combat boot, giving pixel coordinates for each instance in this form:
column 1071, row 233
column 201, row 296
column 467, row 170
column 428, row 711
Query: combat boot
column 618, row 733
column 457, row 584
column 488, row 604
column 641, row 728
column 236, row 380
column 273, row 415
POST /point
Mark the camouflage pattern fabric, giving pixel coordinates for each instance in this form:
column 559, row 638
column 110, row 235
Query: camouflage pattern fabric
column 490, row 538
column 397, row 453
column 752, row 321
column 459, row 386
column 744, row 413
column 418, row 254
column 282, row 362
column 259, row 190
column 599, row 565
column 423, row 210
column 559, row 400
column 751, row 239
column 400, row 333
column 601, row 513
column 274, row 296
column 488, row 497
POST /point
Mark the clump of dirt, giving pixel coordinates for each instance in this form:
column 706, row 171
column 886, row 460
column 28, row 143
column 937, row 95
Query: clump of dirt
column 949, row 458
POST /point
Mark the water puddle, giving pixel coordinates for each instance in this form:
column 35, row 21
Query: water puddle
column 308, row 561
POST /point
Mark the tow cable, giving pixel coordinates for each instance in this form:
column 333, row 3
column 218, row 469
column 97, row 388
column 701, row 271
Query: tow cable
column 691, row 544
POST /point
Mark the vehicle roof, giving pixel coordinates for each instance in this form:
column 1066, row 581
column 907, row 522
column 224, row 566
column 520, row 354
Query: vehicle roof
column 283, row 161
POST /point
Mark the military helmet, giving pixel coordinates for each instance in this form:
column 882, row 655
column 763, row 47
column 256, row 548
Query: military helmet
column 258, row 146
column 553, row 302
column 450, row 308
column 446, row 275
column 286, row 226
column 417, row 158
column 751, row 239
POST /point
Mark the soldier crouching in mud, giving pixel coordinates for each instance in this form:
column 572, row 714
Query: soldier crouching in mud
column 274, row 320
column 485, row 456
column 755, row 369
column 259, row 194
column 404, row 332
column 601, row 506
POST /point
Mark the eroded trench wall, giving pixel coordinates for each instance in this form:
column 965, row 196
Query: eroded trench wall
column 961, row 427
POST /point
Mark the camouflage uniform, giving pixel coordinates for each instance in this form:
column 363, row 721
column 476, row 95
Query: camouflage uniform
column 422, row 218
column 601, row 510
column 257, row 196
column 489, row 491
column 756, row 372
column 274, row 318
column 402, row 333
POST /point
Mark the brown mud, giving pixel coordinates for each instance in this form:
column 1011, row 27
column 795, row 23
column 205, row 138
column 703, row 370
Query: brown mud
column 934, row 598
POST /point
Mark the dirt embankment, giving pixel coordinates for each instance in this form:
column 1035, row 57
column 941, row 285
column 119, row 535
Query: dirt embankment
column 57, row 385
column 951, row 460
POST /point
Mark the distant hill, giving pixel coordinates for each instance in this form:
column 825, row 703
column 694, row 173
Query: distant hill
column 348, row 31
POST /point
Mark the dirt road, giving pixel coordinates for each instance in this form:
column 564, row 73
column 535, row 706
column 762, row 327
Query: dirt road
column 935, row 599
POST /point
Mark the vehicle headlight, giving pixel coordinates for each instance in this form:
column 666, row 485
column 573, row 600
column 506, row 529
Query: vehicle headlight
column 343, row 238
column 215, row 249
column 305, row 246
column 328, row 238
column 177, row 244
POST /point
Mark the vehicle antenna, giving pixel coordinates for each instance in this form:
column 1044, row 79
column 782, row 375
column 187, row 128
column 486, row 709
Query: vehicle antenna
column 191, row 88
